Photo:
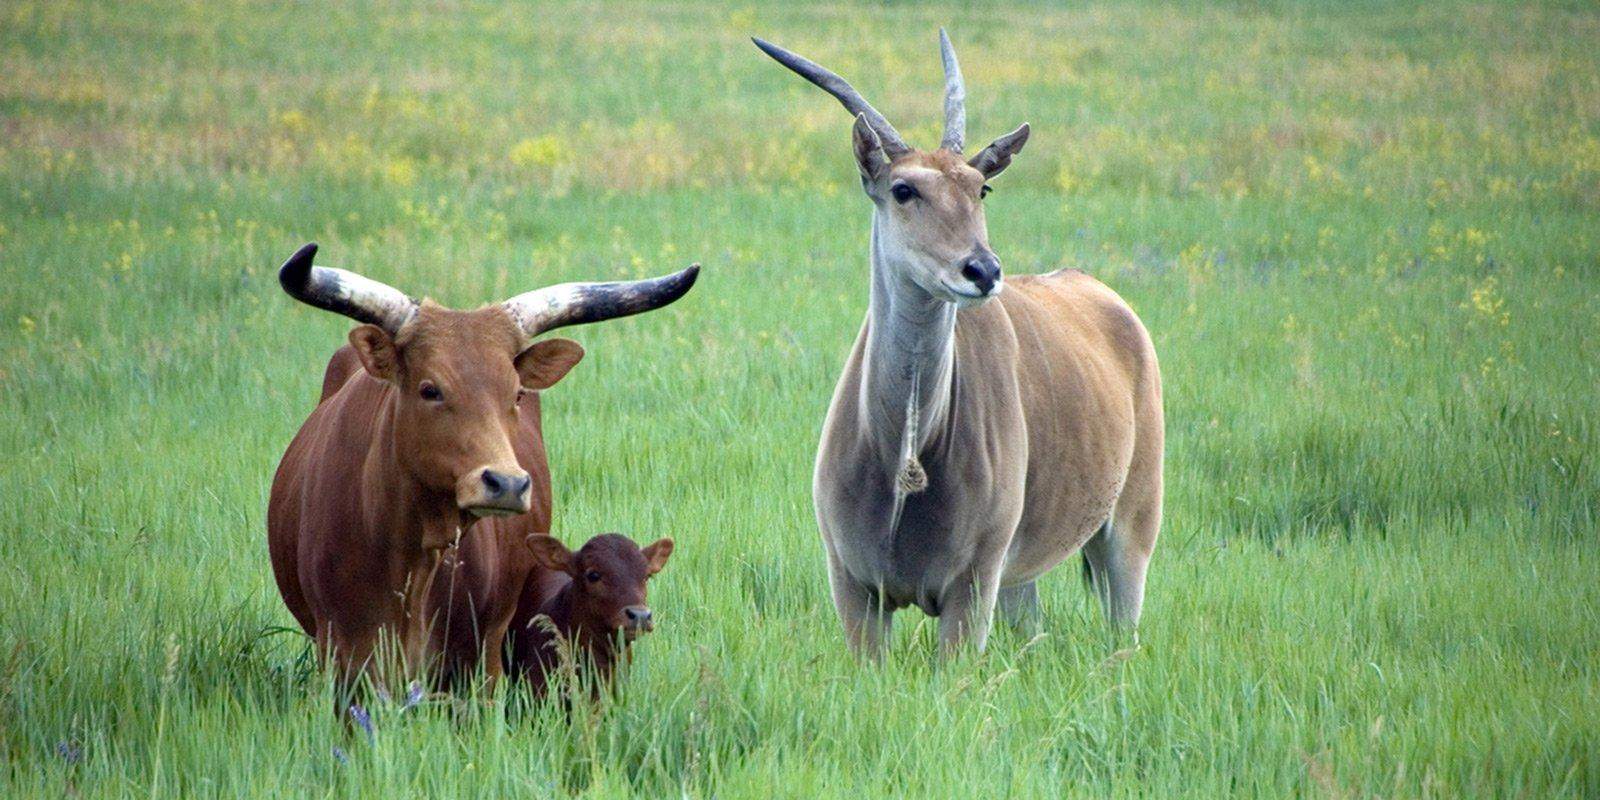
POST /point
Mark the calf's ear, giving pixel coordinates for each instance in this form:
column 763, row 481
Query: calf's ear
column 375, row 347
column 550, row 552
column 548, row 361
column 656, row 555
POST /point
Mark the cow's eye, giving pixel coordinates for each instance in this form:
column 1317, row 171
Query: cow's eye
column 903, row 192
column 427, row 391
column 592, row 576
column 984, row 192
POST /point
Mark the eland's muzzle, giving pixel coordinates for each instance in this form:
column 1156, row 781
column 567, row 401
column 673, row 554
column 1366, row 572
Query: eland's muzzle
column 982, row 269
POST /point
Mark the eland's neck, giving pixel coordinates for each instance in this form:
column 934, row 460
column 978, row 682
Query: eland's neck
column 910, row 358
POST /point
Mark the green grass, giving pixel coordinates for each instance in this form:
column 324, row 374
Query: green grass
column 1367, row 243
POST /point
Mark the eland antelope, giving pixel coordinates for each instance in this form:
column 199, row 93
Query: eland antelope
column 977, row 438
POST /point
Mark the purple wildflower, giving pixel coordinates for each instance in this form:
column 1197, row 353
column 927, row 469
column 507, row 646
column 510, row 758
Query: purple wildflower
column 338, row 753
column 361, row 717
column 69, row 751
column 413, row 696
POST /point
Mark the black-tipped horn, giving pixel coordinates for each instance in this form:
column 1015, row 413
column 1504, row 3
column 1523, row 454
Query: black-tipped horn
column 955, row 97
column 840, row 89
column 581, row 303
column 343, row 292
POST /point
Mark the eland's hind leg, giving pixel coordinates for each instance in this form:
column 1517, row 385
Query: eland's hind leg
column 1019, row 607
column 1119, row 554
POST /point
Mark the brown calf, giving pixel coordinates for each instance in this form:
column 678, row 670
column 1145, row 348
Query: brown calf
column 593, row 599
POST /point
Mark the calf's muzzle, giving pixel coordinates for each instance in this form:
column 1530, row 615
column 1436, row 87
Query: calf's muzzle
column 639, row 619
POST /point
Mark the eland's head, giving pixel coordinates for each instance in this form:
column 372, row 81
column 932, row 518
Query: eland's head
column 928, row 204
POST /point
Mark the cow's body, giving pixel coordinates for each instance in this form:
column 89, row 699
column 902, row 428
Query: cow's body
column 400, row 516
column 345, row 569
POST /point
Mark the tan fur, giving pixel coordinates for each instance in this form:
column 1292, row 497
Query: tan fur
column 971, row 450
column 1040, row 421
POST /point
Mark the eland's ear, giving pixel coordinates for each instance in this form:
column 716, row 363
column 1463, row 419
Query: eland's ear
column 548, row 361
column 375, row 347
column 656, row 555
column 869, row 151
column 550, row 553
column 994, row 159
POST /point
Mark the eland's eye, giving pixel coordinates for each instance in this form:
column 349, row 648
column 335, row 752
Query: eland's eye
column 428, row 391
column 903, row 192
column 984, row 192
column 592, row 576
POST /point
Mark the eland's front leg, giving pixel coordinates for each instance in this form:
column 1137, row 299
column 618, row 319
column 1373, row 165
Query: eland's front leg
column 861, row 611
column 966, row 611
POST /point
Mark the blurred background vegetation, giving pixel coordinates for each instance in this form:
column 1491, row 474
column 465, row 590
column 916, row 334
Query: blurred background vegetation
column 1364, row 237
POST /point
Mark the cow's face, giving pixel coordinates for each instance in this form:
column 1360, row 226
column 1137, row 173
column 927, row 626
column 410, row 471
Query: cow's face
column 459, row 377
column 609, row 574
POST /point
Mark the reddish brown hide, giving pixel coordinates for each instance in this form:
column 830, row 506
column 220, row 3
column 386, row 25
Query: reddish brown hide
column 361, row 546
column 400, row 514
column 594, row 600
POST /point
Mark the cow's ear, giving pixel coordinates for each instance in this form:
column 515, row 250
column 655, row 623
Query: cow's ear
column 376, row 349
column 656, row 555
column 548, row 361
column 550, row 552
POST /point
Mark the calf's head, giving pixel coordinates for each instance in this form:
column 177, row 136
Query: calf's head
column 608, row 593
column 927, row 204
column 458, row 376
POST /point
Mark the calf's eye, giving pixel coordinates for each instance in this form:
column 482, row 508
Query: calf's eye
column 430, row 392
column 592, row 576
column 903, row 192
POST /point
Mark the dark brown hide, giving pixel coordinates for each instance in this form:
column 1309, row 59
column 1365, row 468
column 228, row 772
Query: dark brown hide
column 595, row 600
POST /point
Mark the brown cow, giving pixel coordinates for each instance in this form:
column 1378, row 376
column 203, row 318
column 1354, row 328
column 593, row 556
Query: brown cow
column 401, row 509
column 593, row 599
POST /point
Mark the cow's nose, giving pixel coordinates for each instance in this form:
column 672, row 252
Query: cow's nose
column 500, row 484
column 983, row 269
column 638, row 616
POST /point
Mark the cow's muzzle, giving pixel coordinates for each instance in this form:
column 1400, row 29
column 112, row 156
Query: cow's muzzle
column 491, row 491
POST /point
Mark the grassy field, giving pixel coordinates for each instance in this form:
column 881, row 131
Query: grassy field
column 1367, row 244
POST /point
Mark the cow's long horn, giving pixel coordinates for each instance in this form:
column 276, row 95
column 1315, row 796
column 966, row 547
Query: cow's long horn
column 955, row 97
column 578, row 303
column 853, row 102
column 343, row 292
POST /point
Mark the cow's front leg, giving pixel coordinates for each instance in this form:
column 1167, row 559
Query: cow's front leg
column 494, row 643
column 861, row 611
